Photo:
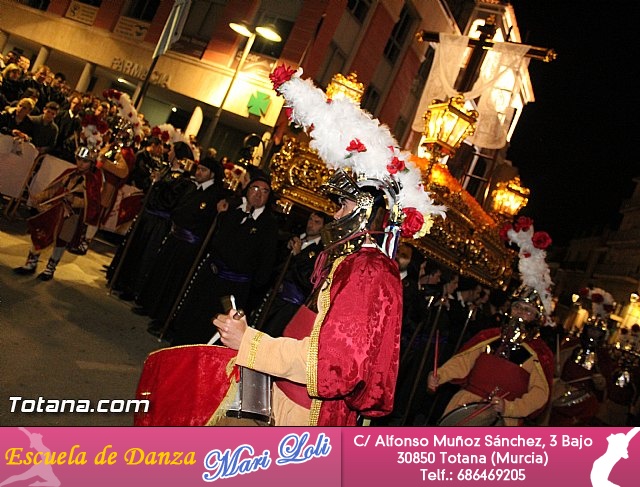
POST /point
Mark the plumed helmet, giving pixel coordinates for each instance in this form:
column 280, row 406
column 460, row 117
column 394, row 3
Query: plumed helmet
column 86, row 153
column 376, row 202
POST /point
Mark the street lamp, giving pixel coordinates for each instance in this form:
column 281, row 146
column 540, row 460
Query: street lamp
column 242, row 28
column 446, row 125
column 509, row 197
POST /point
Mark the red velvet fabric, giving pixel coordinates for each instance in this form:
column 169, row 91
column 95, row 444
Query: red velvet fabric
column 185, row 385
column 359, row 342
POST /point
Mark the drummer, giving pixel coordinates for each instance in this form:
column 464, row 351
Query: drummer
column 521, row 389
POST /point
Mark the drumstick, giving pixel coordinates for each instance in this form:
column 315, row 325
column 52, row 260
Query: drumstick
column 479, row 411
column 435, row 358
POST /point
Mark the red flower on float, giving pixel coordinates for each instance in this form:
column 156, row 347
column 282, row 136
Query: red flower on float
column 597, row 298
column 356, row 146
column 396, row 165
column 281, row 75
column 541, row 240
column 523, row 223
column 584, row 291
column 412, row 222
column 504, row 232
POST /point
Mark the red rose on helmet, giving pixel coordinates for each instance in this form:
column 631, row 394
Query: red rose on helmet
column 396, row 165
column 412, row 223
column 356, row 146
column 281, row 75
column 523, row 223
column 541, row 240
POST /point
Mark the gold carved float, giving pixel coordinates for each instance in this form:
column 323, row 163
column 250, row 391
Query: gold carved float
column 466, row 241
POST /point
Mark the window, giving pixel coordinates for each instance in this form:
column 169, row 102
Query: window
column 399, row 35
column 202, row 18
column 143, row 10
column 39, row 4
column 199, row 26
column 270, row 48
column 334, row 63
column 371, row 99
column 359, row 8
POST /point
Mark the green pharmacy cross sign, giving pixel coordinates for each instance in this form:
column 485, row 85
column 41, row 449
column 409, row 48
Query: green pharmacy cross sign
column 259, row 103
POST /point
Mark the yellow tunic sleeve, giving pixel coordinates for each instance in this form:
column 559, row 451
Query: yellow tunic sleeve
column 280, row 357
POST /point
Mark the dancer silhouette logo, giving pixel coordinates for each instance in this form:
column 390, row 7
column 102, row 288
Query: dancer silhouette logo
column 616, row 451
column 42, row 470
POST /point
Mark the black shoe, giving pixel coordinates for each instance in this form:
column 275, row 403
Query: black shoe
column 44, row 277
column 140, row 310
column 24, row 271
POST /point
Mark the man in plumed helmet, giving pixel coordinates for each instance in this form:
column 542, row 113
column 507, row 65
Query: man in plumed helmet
column 191, row 220
column 522, row 389
column 337, row 361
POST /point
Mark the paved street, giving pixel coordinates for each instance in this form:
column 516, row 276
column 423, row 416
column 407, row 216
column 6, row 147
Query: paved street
column 66, row 338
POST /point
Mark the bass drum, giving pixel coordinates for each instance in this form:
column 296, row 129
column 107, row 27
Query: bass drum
column 472, row 414
column 576, row 407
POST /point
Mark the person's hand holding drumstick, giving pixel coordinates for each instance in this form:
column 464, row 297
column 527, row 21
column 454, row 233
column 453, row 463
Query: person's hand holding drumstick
column 231, row 327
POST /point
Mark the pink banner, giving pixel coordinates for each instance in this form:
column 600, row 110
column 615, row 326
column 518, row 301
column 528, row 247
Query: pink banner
column 351, row 457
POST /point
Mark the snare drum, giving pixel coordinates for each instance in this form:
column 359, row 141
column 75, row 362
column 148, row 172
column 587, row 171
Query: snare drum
column 576, row 406
column 472, row 414
column 253, row 397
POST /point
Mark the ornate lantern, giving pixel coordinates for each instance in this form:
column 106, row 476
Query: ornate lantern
column 345, row 87
column 446, row 125
column 509, row 198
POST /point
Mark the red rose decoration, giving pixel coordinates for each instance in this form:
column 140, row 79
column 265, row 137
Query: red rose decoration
column 155, row 131
column 288, row 111
column 597, row 298
column 584, row 291
column 523, row 223
column 164, row 136
column 503, row 232
column 396, row 165
column 412, row 223
column 281, row 75
column 541, row 240
column 356, row 146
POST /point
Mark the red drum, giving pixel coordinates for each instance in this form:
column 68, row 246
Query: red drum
column 185, row 385
column 472, row 414
column 577, row 406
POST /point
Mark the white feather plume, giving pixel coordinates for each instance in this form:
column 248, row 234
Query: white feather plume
column 334, row 124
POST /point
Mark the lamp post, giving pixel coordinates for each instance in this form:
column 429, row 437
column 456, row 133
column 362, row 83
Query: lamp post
column 509, row 198
column 266, row 31
column 446, row 125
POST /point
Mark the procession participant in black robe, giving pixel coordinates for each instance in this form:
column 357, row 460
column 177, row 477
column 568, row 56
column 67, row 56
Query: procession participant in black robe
column 191, row 220
column 239, row 261
column 152, row 225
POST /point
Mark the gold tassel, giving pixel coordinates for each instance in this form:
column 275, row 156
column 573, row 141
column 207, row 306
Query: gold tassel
column 221, row 411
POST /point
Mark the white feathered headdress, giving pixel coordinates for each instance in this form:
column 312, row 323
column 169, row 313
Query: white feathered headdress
column 532, row 264
column 346, row 136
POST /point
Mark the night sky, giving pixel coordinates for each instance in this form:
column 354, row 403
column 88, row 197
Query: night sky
column 575, row 146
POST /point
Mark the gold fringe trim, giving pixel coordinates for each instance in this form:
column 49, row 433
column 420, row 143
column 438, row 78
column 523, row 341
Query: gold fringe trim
column 253, row 349
column 324, row 302
column 221, row 411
